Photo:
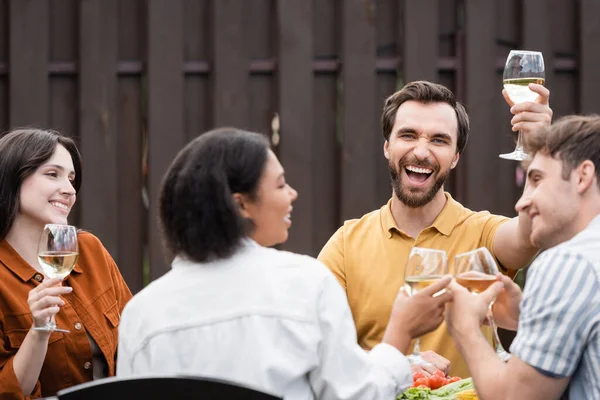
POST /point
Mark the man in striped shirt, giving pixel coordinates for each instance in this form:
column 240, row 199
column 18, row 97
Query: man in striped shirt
column 557, row 349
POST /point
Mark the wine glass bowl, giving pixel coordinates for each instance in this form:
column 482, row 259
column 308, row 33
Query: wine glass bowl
column 522, row 68
column 58, row 251
column 423, row 268
column 476, row 270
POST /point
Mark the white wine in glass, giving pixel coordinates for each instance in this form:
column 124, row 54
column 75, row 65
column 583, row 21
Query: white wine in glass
column 522, row 68
column 424, row 268
column 476, row 270
column 58, row 252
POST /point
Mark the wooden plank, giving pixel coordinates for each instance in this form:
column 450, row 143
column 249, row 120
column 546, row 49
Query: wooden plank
column 165, row 108
column 420, row 26
column 589, row 72
column 480, row 160
column 63, row 24
column 97, row 122
column 295, row 88
column 196, row 29
column 28, row 57
column 132, row 210
column 64, row 117
column 537, row 33
column 326, row 146
column 63, row 90
column 131, row 30
column 360, row 151
column 230, row 62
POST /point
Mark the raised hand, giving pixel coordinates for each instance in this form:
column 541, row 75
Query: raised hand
column 531, row 116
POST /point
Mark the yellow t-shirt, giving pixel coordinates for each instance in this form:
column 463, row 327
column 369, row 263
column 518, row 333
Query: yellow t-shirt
column 368, row 256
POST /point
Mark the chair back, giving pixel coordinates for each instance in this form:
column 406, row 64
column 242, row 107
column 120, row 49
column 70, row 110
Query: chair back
column 162, row 387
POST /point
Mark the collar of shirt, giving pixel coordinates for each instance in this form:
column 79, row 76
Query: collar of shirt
column 247, row 244
column 15, row 263
column 444, row 223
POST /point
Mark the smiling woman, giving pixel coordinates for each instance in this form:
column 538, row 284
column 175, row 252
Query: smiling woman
column 40, row 175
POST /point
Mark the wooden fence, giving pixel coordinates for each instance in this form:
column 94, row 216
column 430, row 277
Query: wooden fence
column 134, row 80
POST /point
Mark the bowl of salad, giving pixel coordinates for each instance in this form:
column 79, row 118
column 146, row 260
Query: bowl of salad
column 439, row 387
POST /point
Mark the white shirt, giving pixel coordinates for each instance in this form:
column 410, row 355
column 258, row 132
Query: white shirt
column 272, row 320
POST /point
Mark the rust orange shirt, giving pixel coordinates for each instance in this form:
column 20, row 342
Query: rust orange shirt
column 99, row 294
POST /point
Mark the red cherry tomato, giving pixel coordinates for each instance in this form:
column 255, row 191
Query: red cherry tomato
column 436, row 381
column 454, row 379
column 422, row 382
column 418, row 375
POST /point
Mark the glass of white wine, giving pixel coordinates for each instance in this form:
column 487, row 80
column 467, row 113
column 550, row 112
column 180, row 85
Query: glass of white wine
column 424, row 268
column 522, row 68
column 476, row 270
column 58, row 252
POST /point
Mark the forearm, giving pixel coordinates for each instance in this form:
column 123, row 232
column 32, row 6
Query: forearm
column 512, row 246
column 487, row 370
column 29, row 359
column 395, row 336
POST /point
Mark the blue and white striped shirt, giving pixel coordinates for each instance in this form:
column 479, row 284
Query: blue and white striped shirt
column 559, row 326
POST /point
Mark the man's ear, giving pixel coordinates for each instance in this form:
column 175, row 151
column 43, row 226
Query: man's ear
column 586, row 175
column 242, row 204
column 455, row 160
column 386, row 152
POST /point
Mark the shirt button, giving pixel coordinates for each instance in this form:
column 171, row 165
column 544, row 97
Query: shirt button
column 87, row 365
column 78, row 326
column 38, row 277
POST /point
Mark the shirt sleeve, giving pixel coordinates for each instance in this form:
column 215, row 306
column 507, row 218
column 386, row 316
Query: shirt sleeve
column 345, row 371
column 559, row 309
column 10, row 389
column 332, row 255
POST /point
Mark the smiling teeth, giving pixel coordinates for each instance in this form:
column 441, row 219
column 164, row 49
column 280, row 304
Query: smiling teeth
column 59, row 205
column 419, row 170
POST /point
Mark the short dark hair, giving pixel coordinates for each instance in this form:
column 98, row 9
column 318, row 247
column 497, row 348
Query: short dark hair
column 199, row 218
column 573, row 139
column 425, row 92
column 22, row 152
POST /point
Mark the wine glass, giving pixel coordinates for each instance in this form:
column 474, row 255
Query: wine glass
column 424, row 268
column 476, row 270
column 58, row 252
column 522, row 68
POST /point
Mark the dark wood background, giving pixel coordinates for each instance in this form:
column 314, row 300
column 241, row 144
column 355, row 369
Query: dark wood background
column 134, row 80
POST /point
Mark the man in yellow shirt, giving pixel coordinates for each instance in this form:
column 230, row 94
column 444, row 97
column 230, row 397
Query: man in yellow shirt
column 425, row 131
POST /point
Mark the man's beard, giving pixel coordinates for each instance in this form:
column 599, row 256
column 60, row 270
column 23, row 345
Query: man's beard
column 415, row 201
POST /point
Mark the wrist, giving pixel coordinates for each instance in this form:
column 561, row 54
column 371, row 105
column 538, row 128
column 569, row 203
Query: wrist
column 398, row 338
column 41, row 336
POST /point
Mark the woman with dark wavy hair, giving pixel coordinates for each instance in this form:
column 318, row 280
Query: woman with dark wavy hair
column 234, row 309
column 40, row 175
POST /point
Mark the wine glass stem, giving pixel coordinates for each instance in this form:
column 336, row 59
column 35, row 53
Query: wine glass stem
column 417, row 348
column 498, row 345
column 519, row 147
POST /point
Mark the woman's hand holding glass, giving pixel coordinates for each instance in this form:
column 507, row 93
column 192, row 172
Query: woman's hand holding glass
column 58, row 251
column 45, row 302
column 422, row 274
column 416, row 315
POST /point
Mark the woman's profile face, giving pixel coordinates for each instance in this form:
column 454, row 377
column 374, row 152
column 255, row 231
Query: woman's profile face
column 47, row 195
column 271, row 210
